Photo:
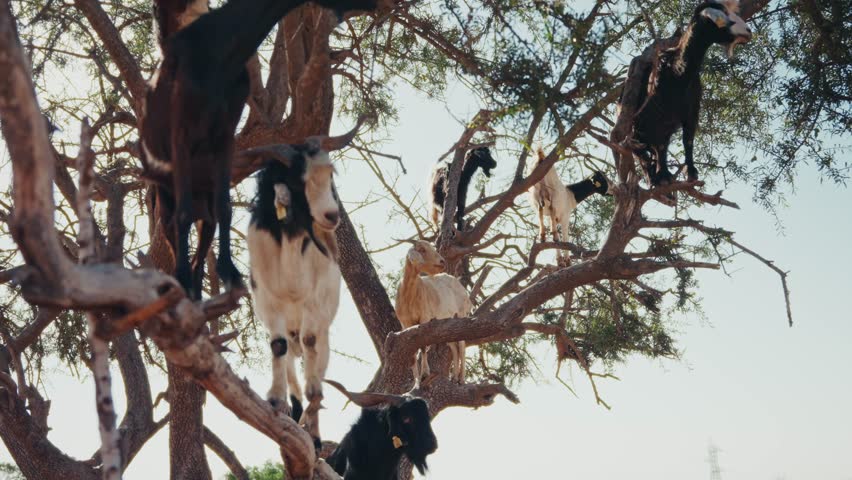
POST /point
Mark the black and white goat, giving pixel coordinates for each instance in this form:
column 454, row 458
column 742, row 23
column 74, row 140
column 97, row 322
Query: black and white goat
column 371, row 450
column 476, row 158
column 295, row 277
column 191, row 115
column 673, row 95
column 553, row 199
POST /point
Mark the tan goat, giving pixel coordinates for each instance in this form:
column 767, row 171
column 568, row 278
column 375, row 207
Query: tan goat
column 422, row 298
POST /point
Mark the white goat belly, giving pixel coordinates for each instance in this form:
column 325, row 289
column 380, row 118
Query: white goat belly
column 278, row 269
column 294, row 284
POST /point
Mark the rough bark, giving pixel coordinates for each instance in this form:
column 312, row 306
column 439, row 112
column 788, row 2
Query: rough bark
column 364, row 284
column 32, row 452
column 138, row 424
column 187, row 458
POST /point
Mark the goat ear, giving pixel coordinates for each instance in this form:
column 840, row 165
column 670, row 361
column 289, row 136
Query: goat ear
column 414, row 257
column 716, row 16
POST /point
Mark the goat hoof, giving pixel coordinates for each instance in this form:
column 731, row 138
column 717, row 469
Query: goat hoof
column 691, row 174
column 229, row 275
column 279, row 405
column 235, row 283
column 317, row 445
column 297, row 410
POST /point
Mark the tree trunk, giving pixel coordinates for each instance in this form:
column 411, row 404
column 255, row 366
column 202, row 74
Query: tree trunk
column 186, row 428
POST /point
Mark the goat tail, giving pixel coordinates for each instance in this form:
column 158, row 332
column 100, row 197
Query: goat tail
column 541, row 155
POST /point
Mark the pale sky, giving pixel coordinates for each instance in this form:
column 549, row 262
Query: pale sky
column 775, row 400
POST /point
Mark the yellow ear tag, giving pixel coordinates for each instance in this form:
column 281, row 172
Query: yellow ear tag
column 721, row 22
column 396, row 442
column 280, row 212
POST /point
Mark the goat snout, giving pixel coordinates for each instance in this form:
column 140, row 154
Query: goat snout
column 332, row 217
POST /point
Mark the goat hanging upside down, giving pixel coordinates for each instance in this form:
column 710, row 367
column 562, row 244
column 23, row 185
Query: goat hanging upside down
column 295, row 277
column 673, row 98
column 191, row 115
column 422, row 298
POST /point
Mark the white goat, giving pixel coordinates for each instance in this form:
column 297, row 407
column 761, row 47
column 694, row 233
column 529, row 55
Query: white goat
column 553, row 199
column 424, row 298
column 295, row 277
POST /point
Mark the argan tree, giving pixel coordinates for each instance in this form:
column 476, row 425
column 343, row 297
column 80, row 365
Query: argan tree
column 87, row 269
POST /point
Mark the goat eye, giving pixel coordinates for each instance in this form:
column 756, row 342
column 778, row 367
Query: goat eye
column 406, row 420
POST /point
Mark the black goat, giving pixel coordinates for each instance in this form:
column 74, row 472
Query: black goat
column 375, row 444
column 674, row 88
column 191, row 115
column 476, row 158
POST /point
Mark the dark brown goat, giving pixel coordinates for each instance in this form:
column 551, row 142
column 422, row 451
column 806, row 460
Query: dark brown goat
column 674, row 88
column 191, row 116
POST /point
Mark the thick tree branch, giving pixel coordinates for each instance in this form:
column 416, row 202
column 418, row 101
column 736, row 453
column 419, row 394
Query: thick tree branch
column 27, row 441
column 364, row 284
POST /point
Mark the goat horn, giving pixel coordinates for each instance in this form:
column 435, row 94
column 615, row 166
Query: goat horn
column 330, row 144
column 282, row 152
column 367, row 399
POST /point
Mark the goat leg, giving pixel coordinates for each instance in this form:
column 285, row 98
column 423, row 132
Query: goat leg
column 183, row 224
column 277, row 395
column 224, row 264
column 688, row 140
column 206, row 231
column 648, row 167
column 461, row 375
column 454, row 360
column 664, row 177
column 541, row 231
column 415, row 370
column 424, row 364
column 316, row 350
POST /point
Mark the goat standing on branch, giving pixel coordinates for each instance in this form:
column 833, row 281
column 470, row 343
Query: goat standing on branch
column 191, row 115
column 553, row 199
column 476, row 158
column 424, row 298
column 673, row 96
column 295, row 277
column 375, row 444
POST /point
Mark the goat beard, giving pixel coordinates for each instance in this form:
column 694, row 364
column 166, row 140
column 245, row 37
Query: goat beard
column 730, row 47
column 419, row 461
